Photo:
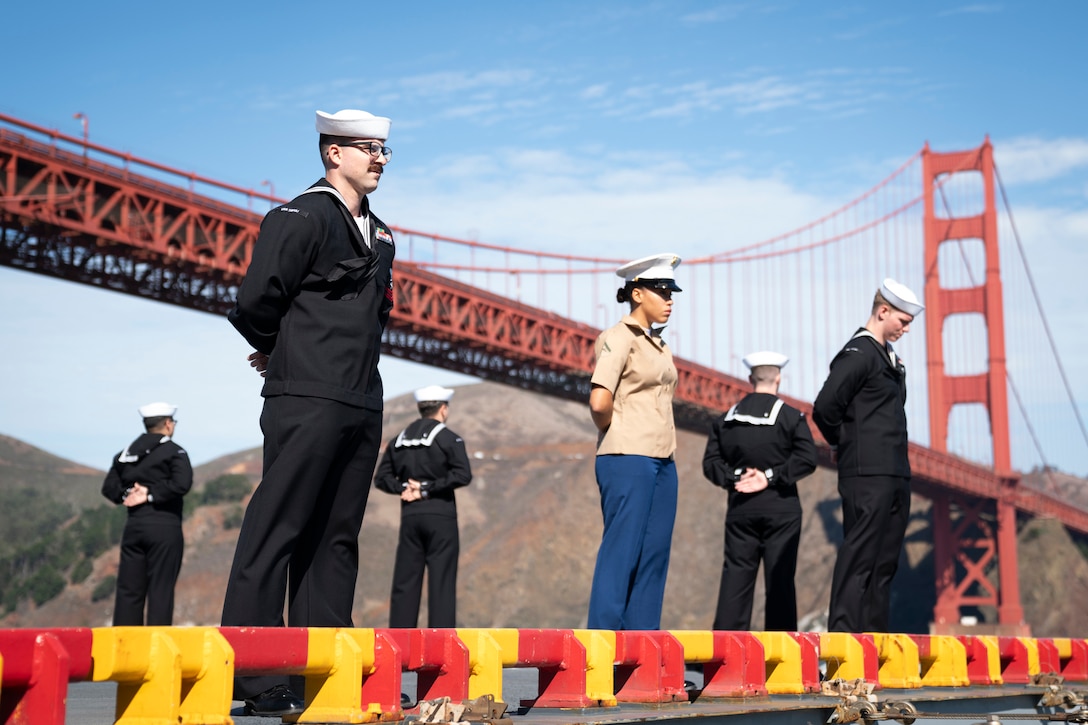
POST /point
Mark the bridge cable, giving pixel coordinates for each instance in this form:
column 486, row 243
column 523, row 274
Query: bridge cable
column 1039, row 305
column 1008, row 375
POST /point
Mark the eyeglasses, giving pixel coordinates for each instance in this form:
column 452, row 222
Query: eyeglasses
column 371, row 147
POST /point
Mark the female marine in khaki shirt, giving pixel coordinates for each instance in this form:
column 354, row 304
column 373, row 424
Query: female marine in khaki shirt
column 631, row 404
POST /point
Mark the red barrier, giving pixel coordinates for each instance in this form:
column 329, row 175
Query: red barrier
column 383, row 686
column 1015, row 660
column 979, row 671
column 1074, row 668
column 561, row 661
column 649, row 667
column 1049, row 661
column 268, row 650
column 737, row 669
column 850, row 656
column 38, row 664
column 438, row 657
column 810, row 659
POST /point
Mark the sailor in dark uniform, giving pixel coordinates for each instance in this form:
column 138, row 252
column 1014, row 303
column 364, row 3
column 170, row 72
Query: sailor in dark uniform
column 758, row 451
column 314, row 303
column 150, row 477
column 860, row 411
column 424, row 465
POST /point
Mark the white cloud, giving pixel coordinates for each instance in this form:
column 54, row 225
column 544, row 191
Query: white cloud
column 547, row 199
column 1032, row 159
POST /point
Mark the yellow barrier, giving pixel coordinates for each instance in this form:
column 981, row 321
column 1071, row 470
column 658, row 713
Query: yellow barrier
column 166, row 675
column 945, row 664
column 489, row 650
column 698, row 645
column 184, row 675
column 844, row 655
column 782, row 659
column 337, row 659
column 898, row 657
column 600, row 656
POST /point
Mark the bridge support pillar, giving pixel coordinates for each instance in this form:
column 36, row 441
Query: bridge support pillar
column 959, row 561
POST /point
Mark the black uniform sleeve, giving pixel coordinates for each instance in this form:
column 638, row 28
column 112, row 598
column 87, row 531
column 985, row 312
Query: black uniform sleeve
column 849, row 371
column 179, row 481
column 385, row 479
column 802, row 460
column 282, row 255
column 458, row 469
column 719, row 471
column 112, row 487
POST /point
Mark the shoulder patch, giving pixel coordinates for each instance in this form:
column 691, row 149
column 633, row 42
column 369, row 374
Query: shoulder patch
column 292, row 210
column 605, row 347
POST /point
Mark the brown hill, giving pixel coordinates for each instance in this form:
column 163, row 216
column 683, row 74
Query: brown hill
column 530, row 525
column 22, row 466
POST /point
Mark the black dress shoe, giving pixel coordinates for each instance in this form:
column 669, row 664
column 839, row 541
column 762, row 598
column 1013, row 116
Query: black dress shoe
column 276, row 702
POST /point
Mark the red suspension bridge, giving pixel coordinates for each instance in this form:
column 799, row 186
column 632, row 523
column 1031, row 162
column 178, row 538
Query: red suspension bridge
column 83, row 212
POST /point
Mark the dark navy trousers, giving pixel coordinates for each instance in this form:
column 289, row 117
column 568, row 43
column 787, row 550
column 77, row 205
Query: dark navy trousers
column 427, row 541
column 875, row 514
column 151, row 553
column 638, row 500
column 300, row 534
column 770, row 536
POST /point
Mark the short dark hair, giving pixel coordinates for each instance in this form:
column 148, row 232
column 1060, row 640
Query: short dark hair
column 155, row 421
column 427, row 408
column 325, row 140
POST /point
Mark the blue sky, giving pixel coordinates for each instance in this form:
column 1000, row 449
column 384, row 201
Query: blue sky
column 537, row 125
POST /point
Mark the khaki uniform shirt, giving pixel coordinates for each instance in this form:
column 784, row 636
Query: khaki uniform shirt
column 638, row 369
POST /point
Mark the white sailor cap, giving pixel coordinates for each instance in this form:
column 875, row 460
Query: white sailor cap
column 654, row 271
column 433, row 393
column 901, row 298
column 765, row 357
column 158, row 410
column 353, row 124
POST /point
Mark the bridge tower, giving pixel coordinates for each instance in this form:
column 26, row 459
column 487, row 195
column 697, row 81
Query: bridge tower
column 968, row 534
